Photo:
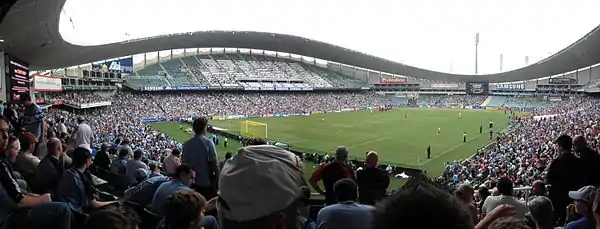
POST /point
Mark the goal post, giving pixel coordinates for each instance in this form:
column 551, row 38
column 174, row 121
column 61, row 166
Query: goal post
column 250, row 129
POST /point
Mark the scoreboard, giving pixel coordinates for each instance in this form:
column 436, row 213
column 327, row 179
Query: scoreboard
column 17, row 77
column 474, row 88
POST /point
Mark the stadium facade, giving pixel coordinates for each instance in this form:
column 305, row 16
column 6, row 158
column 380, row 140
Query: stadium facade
column 34, row 37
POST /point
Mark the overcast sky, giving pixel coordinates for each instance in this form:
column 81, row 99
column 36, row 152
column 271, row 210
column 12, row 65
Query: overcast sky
column 432, row 34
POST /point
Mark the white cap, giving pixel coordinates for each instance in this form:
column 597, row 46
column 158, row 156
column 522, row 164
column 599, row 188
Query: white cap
column 258, row 181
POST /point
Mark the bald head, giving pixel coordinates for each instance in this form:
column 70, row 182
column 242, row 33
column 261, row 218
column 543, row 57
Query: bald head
column 372, row 159
column 579, row 143
column 54, row 146
column 538, row 188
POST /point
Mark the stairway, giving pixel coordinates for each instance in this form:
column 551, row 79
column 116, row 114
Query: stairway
column 486, row 101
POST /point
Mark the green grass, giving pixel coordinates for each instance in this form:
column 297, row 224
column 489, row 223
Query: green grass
column 398, row 140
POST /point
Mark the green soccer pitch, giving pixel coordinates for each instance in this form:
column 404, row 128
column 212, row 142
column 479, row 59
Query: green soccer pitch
column 400, row 136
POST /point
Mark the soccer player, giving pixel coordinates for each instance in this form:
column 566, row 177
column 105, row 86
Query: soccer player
column 465, row 137
column 459, row 115
column 480, row 129
column 439, row 130
column 429, row 152
column 491, row 134
column 491, row 125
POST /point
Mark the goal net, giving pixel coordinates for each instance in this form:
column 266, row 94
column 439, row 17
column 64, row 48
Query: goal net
column 250, row 129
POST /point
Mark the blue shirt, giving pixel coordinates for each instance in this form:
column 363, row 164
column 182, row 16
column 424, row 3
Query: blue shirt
column 199, row 152
column 346, row 215
column 581, row 223
column 146, row 193
column 163, row 191
column 71, row 190
column 33, row 116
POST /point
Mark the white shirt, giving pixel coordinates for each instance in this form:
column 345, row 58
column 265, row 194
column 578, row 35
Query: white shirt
column 492, row 202
column 83, row 135
column 62, row 128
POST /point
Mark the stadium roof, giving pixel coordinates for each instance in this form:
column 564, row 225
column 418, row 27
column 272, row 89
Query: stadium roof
column 30, row 31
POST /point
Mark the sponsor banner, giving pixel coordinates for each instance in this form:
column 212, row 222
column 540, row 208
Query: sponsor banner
column 317, row 112
column 455, row 107
column 491, row 108
column 99, row 104
column 510, row 86
column 356, row 109
column 444, row 85
column 348, row 109
column 337, row 111
column 476, row 107
column 174, row 88
column 115, row 66
column 281, row 115
column 266, row 115
column 40, row 101
column 393, row 80
column 235, row 116
column 364, row 88
column 47, row 83
column 219, row 117
column 562, row 81
column 477, row 88
column 376, row 107
column 56, row 102
column 306, row 114
column 154, row 120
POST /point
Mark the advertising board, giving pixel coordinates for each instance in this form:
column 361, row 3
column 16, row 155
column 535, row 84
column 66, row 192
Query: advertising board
column 474, row 88
column 46, row 83
column 393, row 80
column 115, row 66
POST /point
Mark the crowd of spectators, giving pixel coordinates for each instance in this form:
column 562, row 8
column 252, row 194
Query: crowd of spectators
column 184, row 196
column 450, row 100
column 75, row 97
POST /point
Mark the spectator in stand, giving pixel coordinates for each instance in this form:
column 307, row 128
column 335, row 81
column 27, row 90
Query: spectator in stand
column 126, row 145
column 330, row 173
column 246, row 174
column 542, row 212
column 228, row 156
column 102, row 158
column 42, row 148
column 590, row 159
column 141, row 176
column 21, row 210
column 133, row 165
column 505, row 189
column 76, row 187
column 112, row 218
column 172, row 161
column 464, row 194
column 415, row 203
column 538, row 189
column 119, row 165
column 27, row 163
column 182, row 180
column 51, row 169
column 144, row 195
column 508, row 223
column 154, row 170
column 83, row 134
column 185, row 209
column 372, row 181
column 61, row 128
column 583, row 201
column 347, row 213
column 200, row 152
column 33, row 116
column 564, row 174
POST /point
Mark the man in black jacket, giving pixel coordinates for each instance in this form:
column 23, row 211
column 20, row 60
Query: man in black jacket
column 372, row 181
column 566, row 172
column 590, row 159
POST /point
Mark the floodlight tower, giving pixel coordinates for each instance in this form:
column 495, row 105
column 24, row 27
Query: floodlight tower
column 476, row 52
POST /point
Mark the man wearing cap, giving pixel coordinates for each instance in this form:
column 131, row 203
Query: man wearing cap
column 565, row 173
column 33, row 116
column 141, row 175
column 330, row 173
column 583, row 201
column 262, row 187
column 83, row 133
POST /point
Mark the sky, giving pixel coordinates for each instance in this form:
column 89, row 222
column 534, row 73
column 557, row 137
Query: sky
column 432, row 34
